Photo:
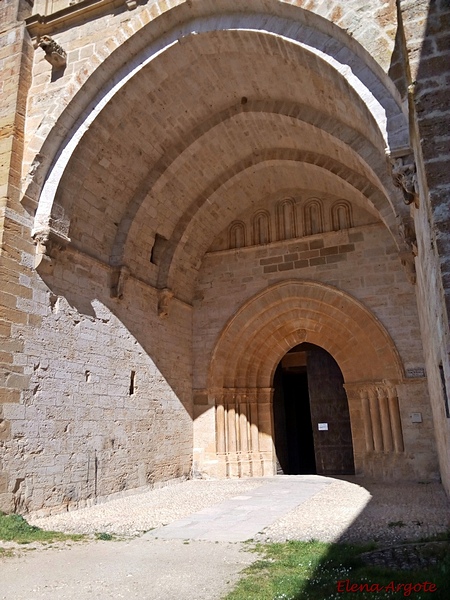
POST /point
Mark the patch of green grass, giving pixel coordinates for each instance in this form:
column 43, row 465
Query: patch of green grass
column 312, row 571
column 106, row 537
column 14, row 528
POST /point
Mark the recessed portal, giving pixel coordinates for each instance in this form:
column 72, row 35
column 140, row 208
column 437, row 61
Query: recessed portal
column 311, row 416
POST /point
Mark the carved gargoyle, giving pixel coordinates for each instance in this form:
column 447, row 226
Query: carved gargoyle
column 54, row 54
column 405, row 177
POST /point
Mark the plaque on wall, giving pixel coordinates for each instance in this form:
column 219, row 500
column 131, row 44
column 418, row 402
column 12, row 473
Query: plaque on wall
column 414, row 373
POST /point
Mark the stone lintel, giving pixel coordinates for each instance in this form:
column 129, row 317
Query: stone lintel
column 39, row 25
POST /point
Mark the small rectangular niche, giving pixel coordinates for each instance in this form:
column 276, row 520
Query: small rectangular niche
column 444, row 391
column 132, row 383
column 158, row 249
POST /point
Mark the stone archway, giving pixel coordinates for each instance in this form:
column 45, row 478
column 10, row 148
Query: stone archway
column 240, row 385
column 311, row 419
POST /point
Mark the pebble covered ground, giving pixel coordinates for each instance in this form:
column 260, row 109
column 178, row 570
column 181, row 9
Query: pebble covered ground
column 136, row 513
column 353, row 510
column 347, row 509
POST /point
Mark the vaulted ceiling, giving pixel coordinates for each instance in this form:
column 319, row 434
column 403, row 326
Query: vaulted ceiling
column 207, row 129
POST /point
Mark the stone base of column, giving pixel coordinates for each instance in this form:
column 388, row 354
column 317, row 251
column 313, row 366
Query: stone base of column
column 237, row 464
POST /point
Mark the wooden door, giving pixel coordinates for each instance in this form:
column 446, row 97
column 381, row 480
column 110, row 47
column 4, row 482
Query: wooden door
column 333, row 446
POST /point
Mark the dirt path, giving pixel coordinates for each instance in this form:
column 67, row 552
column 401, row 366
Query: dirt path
column 148, row 569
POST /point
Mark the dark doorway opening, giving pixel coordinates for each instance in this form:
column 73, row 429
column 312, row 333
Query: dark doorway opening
column 311, row 417
column 294, row 439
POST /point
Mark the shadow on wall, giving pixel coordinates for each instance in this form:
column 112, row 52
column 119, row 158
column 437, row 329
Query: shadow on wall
column 129, row 319
column 108, row 405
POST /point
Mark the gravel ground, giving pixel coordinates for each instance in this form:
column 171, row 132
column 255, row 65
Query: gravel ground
column 347, row 510
column 352, row 511
column 145, row 567
column 132, row 515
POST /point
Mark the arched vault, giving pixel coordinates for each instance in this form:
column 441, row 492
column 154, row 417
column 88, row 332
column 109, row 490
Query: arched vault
column 150, row 160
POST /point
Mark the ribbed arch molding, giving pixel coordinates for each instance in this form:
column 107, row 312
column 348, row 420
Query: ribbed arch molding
column 302, row 28
column 289, row 313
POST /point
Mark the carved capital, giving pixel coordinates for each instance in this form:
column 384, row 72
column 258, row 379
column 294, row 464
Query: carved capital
column 48, row 243
column 54, row 54
column 164, row 298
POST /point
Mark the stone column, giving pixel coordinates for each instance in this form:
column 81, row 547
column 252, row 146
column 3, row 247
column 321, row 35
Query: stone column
column 385, row 419
column 375, row 419
column 254, row 419
column 231, row 426
column 265, row 425
column 394, row 413
column 243, row 425
column 220, row 429
column 365, row 408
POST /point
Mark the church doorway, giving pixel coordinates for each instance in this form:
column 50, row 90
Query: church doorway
column 311, row 417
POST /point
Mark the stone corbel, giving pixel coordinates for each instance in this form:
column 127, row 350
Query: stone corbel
column 54, row 54
column 49, row 243
column 164, row 298
column 118, row 277
column 408, row 235
column 408, row 263
column 403, row 169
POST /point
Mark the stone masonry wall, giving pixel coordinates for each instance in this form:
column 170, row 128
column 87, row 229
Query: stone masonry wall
column 426, row 39
column 95, row 393
column 15, row 241
column 362, row 262
column 108, row 402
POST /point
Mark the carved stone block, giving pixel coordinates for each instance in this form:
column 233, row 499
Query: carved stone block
column 405, row 177
column 118, row 278
column 54, row 54
column 164, row 298
column 48, row 243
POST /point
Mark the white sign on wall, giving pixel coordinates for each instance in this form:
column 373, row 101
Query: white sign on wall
column 323, row 426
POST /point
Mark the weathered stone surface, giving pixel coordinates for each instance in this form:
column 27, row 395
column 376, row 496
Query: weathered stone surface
column 188, row 158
